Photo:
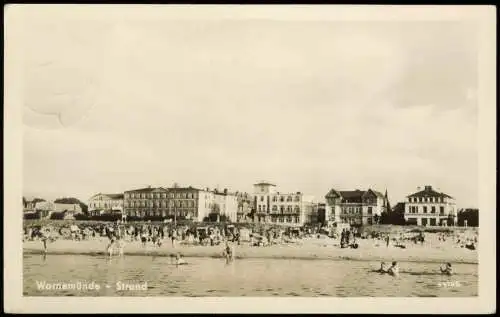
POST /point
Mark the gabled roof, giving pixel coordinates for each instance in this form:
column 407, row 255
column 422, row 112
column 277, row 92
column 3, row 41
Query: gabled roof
column 429, row 192
column 353, row 196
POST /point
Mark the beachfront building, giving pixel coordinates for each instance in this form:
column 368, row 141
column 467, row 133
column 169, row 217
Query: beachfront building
column 44, row 208
column 149, row 201
column 355, row 207
column 105, row 203
column 245, row 207
column 29, row 205
column 70, row 208
column 272, row 206
column 429, row 207
column 189, row 203
column 224, row 206
column 186, row 203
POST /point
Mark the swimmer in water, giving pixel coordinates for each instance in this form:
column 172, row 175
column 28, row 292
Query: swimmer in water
column 228, row 252
column 383, row 267
column 448, row 270
column 394, row 269
column 179, row 260
column 110, row 246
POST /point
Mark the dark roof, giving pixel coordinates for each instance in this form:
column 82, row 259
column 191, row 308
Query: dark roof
column 354, row 196
column 184, row 188
column 115, row 196
column 265, row 183
column 429, row 192
column 144, row 190
column 379, row 194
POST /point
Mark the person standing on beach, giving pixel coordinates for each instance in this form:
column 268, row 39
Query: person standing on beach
column 173, row 237
column 44, row 241
column 387, row 240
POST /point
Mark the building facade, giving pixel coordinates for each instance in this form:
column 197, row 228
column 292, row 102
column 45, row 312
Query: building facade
column 281, row 208
column 245, row 207
column 105, row 203
column 183, row 203
column 149, row 201
column 70, row 208
column 355, row 207
column 429, row 207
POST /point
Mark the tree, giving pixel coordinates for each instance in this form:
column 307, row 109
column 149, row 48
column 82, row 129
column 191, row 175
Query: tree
column 470, row 215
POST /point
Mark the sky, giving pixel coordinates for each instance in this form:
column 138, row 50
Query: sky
column 116, row 104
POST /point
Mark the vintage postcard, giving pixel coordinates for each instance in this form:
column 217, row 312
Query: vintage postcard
column 280, row 159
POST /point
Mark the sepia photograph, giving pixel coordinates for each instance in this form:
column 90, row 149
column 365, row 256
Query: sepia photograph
column 279, row 154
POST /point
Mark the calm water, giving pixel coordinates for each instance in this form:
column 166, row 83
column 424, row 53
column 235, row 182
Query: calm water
column 248, row 277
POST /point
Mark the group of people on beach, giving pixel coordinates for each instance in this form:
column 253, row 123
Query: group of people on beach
column 348, row 238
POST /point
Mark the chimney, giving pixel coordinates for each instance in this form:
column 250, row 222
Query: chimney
column 428, row 187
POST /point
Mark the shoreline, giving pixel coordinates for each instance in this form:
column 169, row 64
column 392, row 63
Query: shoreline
column 310, row 250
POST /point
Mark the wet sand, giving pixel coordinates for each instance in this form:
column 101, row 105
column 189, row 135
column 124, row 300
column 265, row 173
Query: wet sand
column 311, row 248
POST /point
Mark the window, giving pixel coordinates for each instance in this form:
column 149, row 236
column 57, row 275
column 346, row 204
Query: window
column 282, row 209
column 275, row 198
column 282, row 199
column 260, row 208
column 297, row 209
column 441, row 210
column 433, row 209
column 171, row 195
column 289, row 209
column 370, row 211
column 425, row 209
column 433, row 221
column 261, row 198
column 442, row 199
column 289, row 198
column 297, row 198
column 275, row 208
column 424, row 221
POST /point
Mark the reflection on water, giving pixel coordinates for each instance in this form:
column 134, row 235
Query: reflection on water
column 248, row 277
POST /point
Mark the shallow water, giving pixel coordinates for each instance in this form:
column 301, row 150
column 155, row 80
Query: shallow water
column 246, row 277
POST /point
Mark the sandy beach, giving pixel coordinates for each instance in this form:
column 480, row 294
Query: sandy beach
column 311, row 248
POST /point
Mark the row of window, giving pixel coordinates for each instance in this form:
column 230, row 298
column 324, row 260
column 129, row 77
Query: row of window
column 282, row 208
column 282, row 198
column 428, row 221
column 432, row 209
column 105, row 205
column 289, row 219
column 163, row 203
column 162, row 212
column 426, row 199
column 356, row 210
column 161, row 195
